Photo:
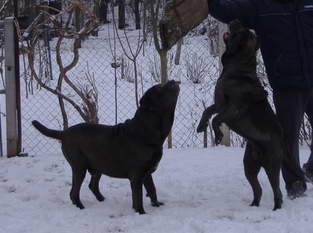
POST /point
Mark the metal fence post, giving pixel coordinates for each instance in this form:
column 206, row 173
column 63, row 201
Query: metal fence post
column 222, row 28
column 10, row 82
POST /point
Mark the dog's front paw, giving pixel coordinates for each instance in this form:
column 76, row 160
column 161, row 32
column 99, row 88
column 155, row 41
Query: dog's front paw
column 140, row 211
column 157, row 203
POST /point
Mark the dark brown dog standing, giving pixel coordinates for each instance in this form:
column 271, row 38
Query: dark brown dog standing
column 129, row 150
column 241, row 102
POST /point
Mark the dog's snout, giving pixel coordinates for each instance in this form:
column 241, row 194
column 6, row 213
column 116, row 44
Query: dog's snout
column 171, row 83
column 174, row 82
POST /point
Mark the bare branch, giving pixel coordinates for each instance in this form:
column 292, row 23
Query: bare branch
column 88, row 96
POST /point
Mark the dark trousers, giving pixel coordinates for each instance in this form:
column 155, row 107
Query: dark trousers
column 291, row 104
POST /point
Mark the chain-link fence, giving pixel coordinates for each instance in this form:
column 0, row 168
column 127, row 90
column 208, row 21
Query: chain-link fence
column 104, row 59
column 113, row 67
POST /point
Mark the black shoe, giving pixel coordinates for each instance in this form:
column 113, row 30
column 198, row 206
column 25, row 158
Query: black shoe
column 308, row 173
column 296, row 189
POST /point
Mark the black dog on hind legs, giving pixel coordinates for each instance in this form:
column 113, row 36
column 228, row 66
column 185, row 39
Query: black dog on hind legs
column 129, row 150
column 241, row 102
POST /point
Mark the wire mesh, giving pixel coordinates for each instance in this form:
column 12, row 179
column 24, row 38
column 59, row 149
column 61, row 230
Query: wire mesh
column 111, row 62
column 113, row 72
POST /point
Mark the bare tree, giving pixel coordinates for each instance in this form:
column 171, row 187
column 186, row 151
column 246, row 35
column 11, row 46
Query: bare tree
column 130, row 52
column 87, row 94
column 154, row 10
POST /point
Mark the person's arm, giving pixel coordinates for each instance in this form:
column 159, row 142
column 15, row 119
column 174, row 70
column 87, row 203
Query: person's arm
column 228, row 10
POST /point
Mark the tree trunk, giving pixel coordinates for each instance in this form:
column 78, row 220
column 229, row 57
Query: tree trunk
column 97, row 8
column 103, row 14
column 137, row 14
column 105, row 11
column 30, row 11
column 78, row 24
column 121, row 14
column 164, row 79
column 163, row 61
column 63, row 112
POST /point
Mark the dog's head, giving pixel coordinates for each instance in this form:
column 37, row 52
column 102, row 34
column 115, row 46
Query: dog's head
column 240, row 40
column 161, row 98
column 156, row 112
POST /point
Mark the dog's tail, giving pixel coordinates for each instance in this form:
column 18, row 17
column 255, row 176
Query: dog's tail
column 48, row 132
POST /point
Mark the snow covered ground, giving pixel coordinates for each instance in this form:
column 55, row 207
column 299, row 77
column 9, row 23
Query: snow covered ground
column 204, row 191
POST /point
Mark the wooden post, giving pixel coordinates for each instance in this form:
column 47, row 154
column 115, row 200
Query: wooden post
column 10, row 86
column 1, row 143
column 222, row 28
column 205, row 139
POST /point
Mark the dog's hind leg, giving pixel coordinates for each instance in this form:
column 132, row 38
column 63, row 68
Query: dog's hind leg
column 252, row 168
column 78, row 178
column 94, row 184
column 272, row 172
column 151, row 191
